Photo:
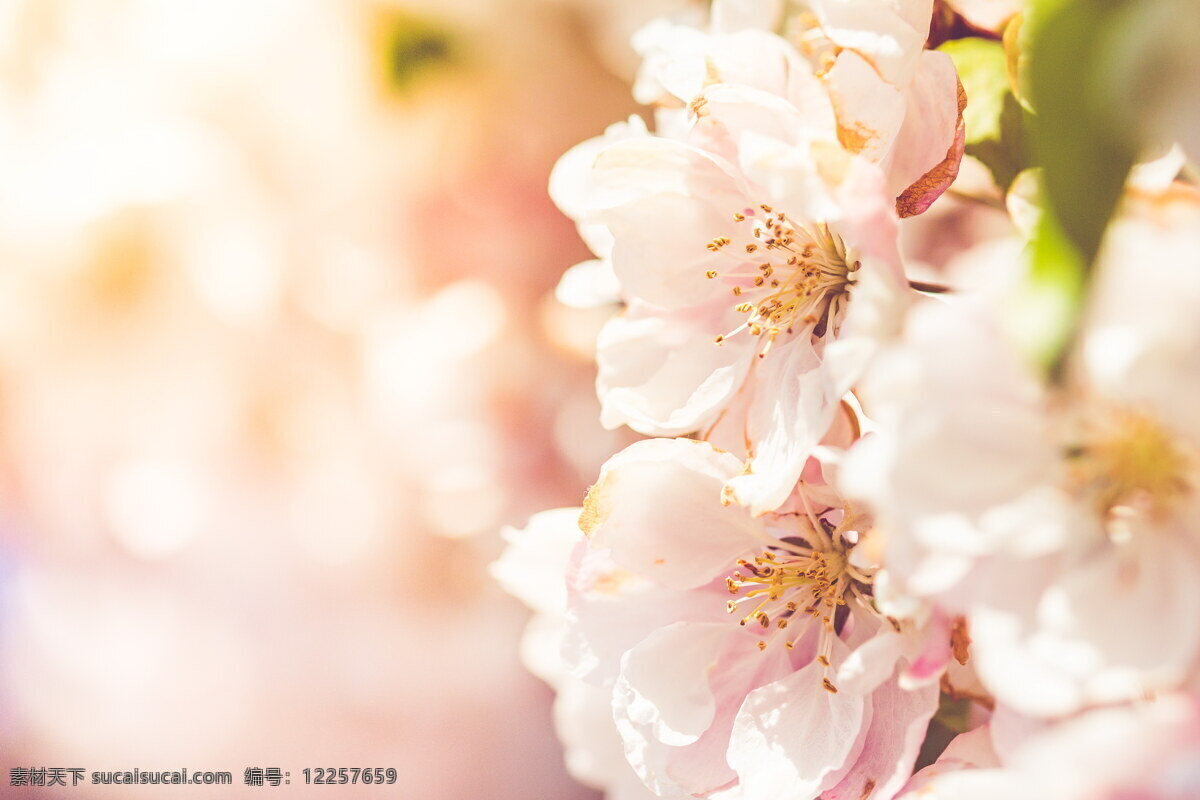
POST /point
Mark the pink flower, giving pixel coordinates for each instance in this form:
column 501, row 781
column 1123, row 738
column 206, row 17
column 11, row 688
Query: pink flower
column 860, row 73
column 754, row 239
column 731, row 295
column 744, row 653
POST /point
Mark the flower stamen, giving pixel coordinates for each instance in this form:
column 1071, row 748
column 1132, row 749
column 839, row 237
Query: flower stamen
column 803, row 284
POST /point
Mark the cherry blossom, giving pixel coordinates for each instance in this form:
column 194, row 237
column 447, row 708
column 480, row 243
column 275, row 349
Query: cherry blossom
column 1060, row 519
column 727, row 293
column 752, row 238
column 744, row 653
column 1146, row 751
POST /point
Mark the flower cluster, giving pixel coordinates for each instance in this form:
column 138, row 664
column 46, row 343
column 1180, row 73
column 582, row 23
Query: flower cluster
column 893, row 535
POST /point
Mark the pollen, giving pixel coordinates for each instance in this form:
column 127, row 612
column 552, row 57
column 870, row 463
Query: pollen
column 1127, row 460
column 779, row 587
column 803, row 285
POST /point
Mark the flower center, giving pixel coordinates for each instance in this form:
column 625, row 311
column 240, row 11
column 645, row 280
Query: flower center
column 802, row 282
column 1131, row 461
column 805, row 578
column 785, row 584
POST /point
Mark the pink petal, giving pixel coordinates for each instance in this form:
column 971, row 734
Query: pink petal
column 700, row 767
column 664, row 683
column 791, row 734
column 683, row 200
column 870, row 110
column 927, row 152
column 890, row 35
column 931, row 660
column 661, row 372
column 898, row 722
column 610, row 610
column 792, row 409
column 657, row 506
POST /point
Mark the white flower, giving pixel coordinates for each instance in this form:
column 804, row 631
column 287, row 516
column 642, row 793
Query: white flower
column 1147, row 751
column 1065, row 521
column 534, row 569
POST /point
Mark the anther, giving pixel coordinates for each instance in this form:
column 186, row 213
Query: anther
column 829, row 687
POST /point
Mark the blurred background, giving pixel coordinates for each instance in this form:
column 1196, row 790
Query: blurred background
column 279, row 354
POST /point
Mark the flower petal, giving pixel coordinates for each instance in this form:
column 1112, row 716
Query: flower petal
column 890, row 35
column 657, row 506
column 791, row 734
column 661, row 372
column 899, row 719
column 870, row 110
column 928, row 149
column 735, row 15
column 610, row 610
column 793, row 406
column 680, row 199
column 698, row 768
column 664, row 681
column 535, row 555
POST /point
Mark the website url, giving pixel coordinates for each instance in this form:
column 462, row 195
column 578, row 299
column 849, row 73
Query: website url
column 159, row 777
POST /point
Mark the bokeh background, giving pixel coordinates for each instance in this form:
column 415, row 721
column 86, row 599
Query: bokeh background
column 279, row 354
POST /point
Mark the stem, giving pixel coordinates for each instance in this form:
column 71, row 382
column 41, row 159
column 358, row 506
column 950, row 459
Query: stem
column 990, row 202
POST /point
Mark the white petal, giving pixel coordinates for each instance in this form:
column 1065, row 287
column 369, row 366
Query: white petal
column 588, row 284
column 573, row 186
column 541, row 648
column 890, row 35
column 930, row 122
column 594, row 753
column 610, row 610
column 870, row 110
column 697, row 768
column 791, row 734
column 662, row 373
column 657, row 506
column 533, row 567
column 870, row 664
column 1096, row 634
column 899, row 719
column 664, row 681
column 987, row 14
column 792, row 409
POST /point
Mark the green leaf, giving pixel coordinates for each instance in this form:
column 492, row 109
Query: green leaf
column 1085, row 158
column 1043, row 319
column 993, row 117
column 412, row 48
